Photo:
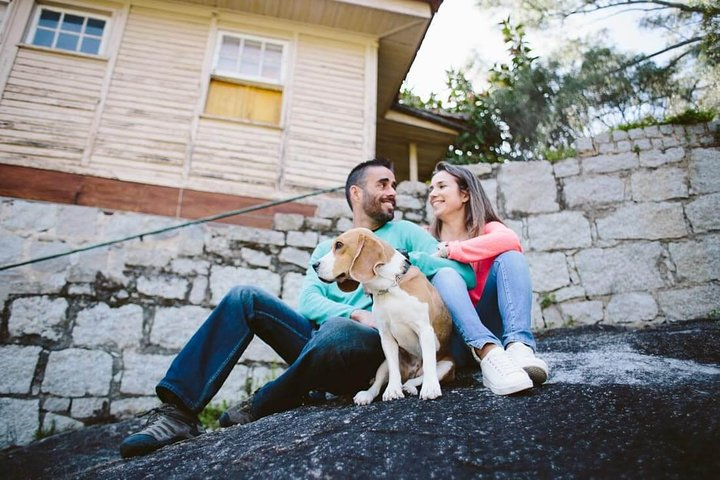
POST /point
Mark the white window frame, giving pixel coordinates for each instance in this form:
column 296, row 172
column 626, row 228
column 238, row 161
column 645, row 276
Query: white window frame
column 67, row 11
column 244, row 78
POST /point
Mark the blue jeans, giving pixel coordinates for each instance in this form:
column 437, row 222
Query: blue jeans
column 503, row 314
column 340, row 357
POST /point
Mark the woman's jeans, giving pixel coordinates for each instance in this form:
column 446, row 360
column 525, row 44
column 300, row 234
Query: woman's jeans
column 503, row 314
column 340, row 357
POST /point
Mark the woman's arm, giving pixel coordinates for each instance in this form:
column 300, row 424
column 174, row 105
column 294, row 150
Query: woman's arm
column 496, row 239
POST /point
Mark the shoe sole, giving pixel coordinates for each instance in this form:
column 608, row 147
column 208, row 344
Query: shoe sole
column 537, row 375
column 509, row 390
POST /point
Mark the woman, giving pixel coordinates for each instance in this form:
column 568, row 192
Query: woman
column 494, row 317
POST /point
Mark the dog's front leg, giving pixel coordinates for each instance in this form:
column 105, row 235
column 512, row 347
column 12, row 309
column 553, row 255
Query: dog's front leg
column 392, row 356
column 431, row 385
column 366, row 397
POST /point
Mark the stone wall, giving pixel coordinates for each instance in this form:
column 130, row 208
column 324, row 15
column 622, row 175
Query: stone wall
column 627, row 233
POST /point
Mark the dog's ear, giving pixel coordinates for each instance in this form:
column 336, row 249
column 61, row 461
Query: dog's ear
column 370, row 254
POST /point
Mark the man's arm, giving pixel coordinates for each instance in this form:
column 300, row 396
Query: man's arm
column 421, row 247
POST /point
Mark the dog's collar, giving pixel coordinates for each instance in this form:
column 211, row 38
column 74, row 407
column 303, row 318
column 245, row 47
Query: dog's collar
column 406, row 267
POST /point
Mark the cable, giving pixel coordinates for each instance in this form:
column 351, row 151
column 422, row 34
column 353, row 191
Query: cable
column 174, row 227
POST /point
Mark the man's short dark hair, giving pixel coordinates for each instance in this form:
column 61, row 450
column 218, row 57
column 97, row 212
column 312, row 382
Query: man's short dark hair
column 357, row 174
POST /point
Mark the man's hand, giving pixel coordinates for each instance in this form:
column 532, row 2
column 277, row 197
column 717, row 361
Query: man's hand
column 364, row 317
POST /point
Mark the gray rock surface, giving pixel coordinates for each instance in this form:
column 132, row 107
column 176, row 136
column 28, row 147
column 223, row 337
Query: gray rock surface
column 619, row 404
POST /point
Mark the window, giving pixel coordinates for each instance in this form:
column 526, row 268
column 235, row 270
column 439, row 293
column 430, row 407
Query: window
column 247, row 79
column 68, row 30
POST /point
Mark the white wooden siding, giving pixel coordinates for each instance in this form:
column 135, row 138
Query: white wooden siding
column 47, row 108
column 145, row 126
column 327, row 118
column 244, row 154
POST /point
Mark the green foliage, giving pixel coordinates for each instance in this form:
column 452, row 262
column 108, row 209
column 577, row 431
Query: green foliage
column 553, row 155
column 548, row 300
column 690, row 116
column 41, row 433
column 210, row 415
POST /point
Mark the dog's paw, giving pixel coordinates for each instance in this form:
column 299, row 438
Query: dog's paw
column 430, row 391
column 363, row 398
column 393, row 393
column 410, row 389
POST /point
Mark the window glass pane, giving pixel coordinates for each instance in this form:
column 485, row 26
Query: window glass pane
column 250, row 60
column 72, row 23
column 272, row 61
column 229, row 53
column 95, row 27
column 49, row 19
column 43, row 37
column 67, row 41
column 90, row 45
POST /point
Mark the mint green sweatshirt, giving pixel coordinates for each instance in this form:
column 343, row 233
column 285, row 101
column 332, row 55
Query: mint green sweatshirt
column 319, row 301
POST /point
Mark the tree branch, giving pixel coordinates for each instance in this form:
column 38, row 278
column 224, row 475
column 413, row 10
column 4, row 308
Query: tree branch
column 706, row 10
column 648, row 57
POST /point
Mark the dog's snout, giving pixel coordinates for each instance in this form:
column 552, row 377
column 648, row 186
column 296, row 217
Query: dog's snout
column 315, row 266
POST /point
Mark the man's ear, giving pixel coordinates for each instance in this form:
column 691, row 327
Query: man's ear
column 355, row 195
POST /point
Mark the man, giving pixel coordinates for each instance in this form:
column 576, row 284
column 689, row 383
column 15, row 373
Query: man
column 329, row 343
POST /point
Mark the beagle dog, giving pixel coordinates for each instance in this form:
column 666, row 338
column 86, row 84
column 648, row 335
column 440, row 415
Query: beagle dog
column 412, row 320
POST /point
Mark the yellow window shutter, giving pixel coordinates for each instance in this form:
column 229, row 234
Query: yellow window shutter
column 246, row 102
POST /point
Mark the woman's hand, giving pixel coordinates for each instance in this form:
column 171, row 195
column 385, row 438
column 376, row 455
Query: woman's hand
column 441, row 250
column 364, row 317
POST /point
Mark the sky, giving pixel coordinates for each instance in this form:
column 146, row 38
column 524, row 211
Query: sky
column 460, row 29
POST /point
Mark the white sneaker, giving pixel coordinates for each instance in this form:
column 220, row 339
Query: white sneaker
column 525, row 358
column 501, row 375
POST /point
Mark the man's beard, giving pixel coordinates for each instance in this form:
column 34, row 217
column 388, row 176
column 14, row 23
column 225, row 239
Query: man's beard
column 373, row 208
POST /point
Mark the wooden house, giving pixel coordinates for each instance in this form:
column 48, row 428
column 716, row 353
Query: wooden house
column 187, row 108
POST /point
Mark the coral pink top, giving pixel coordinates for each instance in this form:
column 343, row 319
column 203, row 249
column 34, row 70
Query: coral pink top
column 480, row 252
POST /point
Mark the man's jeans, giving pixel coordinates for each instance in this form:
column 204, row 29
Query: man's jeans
column 340, row 357
column 503, row 314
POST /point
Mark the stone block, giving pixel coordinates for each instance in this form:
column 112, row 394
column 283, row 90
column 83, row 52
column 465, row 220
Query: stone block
column 408, row 202
column 333, row 208
column 173, row 326
column 292, row 286
column 88, row 407
column 650, row 221
column 142, row 372
column 567, row 168
column 490, row 187
column 652, row 131
column 40, row 249
column 624, row 146
column 642, row 144
column 571, row 292
column 288, row 221
column 548, row 271
column 38, row 316
column 558, row 231
column 319, row 224
column 705, row 170
column 583, row 313
column 345, row 224
column 619, row 135
column 17, row 368
column 622, row 269
column 76, row 372
column 703, row 213
column 302, row 239
column 552, row 318
column 697, row 261
column 260, row 236
column 130, row 407
column 11, row 248
column 593, row 190
column 259, row 351
column 584, row 146
column 690, row 303
column 235, row 388
column 632, row 308
column 256, row 258
column 188, row 266
column 609, row 163
column 78, row 222
column 60, row 423
column 192, row 240
column 655, row 158
column 163, row 287
column 104, row 326
column 56, row 404
column 222, row 279
column 19, row 421
column 198, row 291
column 636, row 133
column 528, row 187
column 478, row 169
column 659, row 184
column 26, row 216
column 298, row 257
